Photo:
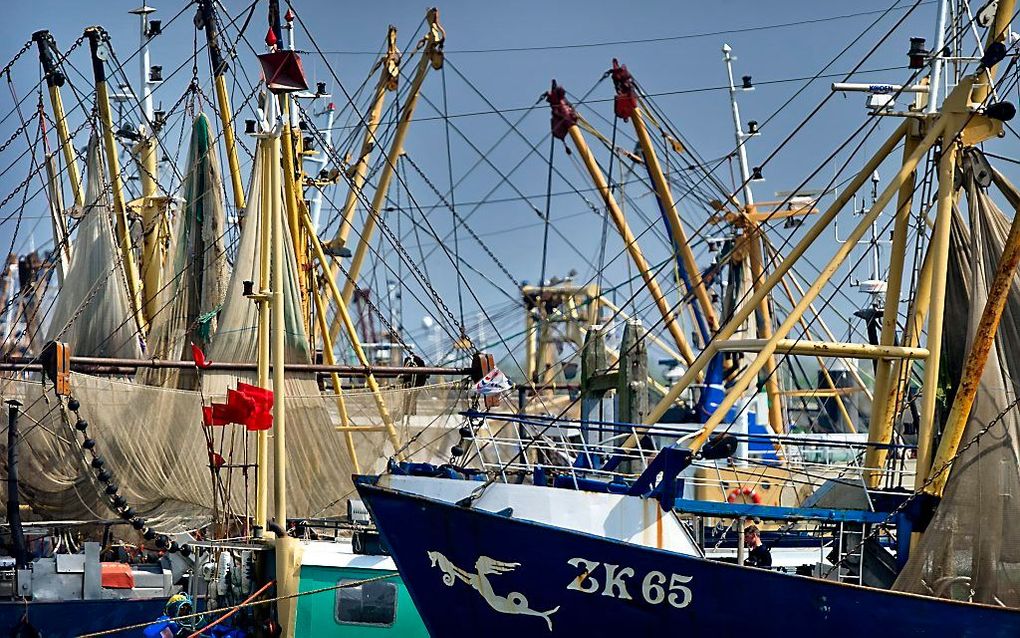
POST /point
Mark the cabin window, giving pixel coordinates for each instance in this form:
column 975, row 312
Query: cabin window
column 366, row 604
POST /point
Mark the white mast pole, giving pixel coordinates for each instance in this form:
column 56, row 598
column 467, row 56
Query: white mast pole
column 745, row 174
column 143, row 60
column 935, row 78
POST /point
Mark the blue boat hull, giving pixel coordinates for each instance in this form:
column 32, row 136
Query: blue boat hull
column 66, row 618
column 472, row 572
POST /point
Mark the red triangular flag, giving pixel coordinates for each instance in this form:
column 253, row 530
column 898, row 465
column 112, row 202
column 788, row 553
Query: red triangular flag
column 200, row 361
column 216, row 460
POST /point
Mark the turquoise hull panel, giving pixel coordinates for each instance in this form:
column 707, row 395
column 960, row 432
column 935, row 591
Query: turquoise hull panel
column 317, row 613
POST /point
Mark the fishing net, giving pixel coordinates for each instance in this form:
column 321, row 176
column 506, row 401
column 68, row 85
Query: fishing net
column 93, row 311
column 153, row 441
column 971, row 549
column 163, row 458
column 195, row 273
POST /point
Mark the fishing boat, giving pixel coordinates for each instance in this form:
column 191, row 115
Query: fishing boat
column 581, row 545
column 217, row 358
column 180, row 317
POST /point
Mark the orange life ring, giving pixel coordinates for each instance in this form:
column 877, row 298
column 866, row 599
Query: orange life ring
column 748, row 492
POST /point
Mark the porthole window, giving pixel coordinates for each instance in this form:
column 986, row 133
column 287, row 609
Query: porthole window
column 366, row 604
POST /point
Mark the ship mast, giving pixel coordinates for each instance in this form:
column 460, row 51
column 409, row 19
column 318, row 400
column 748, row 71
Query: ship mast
column 54, row 80
column 431, row 57
column 99, row 45
column 965, row 119
column 565, row 123
column 207, row 20
column 740, row 136
column 151, row 205
column 389, row 74
column 754, row 237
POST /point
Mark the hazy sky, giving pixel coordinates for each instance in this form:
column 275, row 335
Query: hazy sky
column 509, row 52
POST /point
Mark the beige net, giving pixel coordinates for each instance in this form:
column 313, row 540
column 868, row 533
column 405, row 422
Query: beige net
column 153, row 439
column 154, row 443
column 92, row 312
column 971, row 549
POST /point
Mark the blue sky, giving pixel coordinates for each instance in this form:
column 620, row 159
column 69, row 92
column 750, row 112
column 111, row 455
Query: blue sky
column 505, row 52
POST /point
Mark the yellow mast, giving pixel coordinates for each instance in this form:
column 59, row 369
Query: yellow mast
column 883, row 412
column 624, row 87
column 262, row 299
column 352, row 335
column 207, row 17
column 291, row 191
column 286, row 547
column 99, row 45
column 432, row 56
column 564, row 124
column 54, row 80
column 958, row 108
column 389, row 73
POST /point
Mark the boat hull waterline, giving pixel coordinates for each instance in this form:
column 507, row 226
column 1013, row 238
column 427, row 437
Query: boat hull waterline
column 469, row 570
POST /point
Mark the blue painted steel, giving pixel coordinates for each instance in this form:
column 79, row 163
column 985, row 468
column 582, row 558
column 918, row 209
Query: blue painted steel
column 776, row 513
column 460, row 564
column 699, row 315
column 571, row 482
column 713, row 392
column 659, row 480
column 75, row 617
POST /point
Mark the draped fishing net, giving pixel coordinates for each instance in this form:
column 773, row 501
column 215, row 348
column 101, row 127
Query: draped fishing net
column 195, row 272
column 971, row 549
column 154, row 443
column 92, row 311
column 153, row 439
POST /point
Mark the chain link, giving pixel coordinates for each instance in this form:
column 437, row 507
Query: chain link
column 74, row 45
column 21, row 129
column 395, row 240
column 7, row 68
column 461, row 220
column 32, row 174
column 382, row 318
column 426, row 282
column 233, row 118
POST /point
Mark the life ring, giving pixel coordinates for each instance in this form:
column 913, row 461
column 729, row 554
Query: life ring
column 746, row 492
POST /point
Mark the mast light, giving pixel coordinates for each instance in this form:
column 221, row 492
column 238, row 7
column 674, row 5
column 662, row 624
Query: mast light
column 917, row 53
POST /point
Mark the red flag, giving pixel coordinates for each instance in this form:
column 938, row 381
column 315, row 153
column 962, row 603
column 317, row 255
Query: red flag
column 221, row 414
column 239, row 405
column 261, row 396
column 200, row 361
column 248, row 405
column 261, row 415
column 260, row 420
column 211, row 417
